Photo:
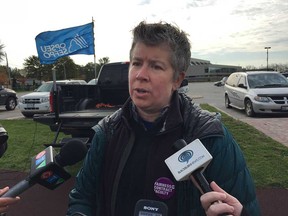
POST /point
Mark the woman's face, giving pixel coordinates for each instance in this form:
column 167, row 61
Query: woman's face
column 151, row 81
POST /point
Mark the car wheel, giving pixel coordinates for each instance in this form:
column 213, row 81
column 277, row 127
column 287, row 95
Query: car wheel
column 227, row 101
column 249, row 108
column 11, row 104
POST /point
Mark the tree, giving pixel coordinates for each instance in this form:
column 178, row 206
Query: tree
column 36, row 70
column 67, row 69
column 103, row 61
column 2, row 53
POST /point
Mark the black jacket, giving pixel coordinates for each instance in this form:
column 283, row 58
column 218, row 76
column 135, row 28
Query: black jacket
column 98, row 182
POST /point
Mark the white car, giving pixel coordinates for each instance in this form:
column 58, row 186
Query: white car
column 184, row 87
column 93, row 82
column 38, row 102
column 257, row 92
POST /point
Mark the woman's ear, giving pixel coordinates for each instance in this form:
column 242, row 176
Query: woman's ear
column 178, row 81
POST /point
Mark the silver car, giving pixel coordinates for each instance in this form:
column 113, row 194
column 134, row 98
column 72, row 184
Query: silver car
column 257, row 92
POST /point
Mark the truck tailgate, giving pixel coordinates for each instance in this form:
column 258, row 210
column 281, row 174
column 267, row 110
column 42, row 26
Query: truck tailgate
column 75, row 123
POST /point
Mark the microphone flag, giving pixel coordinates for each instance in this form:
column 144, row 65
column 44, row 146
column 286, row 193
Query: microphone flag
column 52, row 45
column 46, row 171
column 188, row 159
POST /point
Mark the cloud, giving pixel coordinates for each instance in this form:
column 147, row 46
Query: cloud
column 200, row 3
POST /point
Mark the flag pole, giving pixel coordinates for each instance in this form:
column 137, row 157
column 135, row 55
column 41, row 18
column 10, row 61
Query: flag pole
column 95, row 72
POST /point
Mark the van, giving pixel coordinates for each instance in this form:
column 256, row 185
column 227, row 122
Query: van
column 257, row 92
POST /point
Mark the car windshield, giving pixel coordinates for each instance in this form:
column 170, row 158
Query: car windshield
column 45, row 87
column 267, row 80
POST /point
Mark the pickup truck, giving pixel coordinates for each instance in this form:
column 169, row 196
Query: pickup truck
column 38, row 102
column 80, row 107
column 77, row 108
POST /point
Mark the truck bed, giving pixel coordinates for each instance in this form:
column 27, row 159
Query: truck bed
column 75, row 123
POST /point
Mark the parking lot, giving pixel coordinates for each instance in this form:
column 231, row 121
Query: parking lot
column 205, row 92
column 274, row 126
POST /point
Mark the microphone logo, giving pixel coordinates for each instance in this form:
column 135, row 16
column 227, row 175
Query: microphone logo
column 185, row 156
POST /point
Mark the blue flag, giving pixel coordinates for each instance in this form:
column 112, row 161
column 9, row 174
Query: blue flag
column 52, row 45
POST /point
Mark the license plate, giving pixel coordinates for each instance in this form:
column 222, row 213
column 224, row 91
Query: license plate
column 30, row 105
column 284, row 108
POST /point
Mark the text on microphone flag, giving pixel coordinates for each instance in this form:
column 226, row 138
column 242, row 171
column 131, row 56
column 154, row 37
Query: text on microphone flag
column 52, row 45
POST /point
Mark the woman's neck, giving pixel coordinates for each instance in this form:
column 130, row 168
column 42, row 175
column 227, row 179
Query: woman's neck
column 148, row 116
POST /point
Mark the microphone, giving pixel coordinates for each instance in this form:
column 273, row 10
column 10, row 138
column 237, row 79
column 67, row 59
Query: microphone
column 189, row 162
column 47, row 168
column 3, row 141
column 146, row 207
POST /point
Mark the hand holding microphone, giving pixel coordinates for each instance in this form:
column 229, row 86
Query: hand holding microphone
column 221, row 202
column 6, row 202
column 47, row 168
column 189, row 162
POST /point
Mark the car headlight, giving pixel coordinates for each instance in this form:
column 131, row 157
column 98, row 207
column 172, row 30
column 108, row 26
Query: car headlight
column 261, row 99
column 43, row 100
column 21, row 100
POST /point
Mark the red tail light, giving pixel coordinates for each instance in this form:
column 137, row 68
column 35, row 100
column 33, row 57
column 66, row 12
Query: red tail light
column 51, row 102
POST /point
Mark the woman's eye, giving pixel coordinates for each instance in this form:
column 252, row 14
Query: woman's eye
column 135, row 63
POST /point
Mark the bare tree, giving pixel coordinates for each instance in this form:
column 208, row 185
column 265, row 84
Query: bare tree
column 2, row 53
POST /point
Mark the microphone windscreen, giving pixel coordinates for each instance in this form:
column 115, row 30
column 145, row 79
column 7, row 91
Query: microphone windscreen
column 179, row 144
column 71, row 153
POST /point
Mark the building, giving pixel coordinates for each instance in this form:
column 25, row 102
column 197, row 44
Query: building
column 203, row 70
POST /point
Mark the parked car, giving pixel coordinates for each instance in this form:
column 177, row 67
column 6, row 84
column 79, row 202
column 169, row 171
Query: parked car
column 285, row 74
column 221, row 82
column 257, row 92
column 93, row 82
column 184, row 87
column 8, row 98
column 38, row 102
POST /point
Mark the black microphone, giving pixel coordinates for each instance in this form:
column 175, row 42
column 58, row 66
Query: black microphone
column 48, row 170
column 3, row 141
column 146, row 207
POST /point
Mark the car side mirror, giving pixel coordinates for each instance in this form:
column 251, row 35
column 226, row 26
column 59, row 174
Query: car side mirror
column 184, row 83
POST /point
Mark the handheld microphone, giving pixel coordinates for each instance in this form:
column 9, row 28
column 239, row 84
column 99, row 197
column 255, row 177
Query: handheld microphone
column 146, row 207
column 189, row 162
column 47, row 169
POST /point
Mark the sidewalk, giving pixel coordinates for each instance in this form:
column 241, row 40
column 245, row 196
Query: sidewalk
column 276, row 128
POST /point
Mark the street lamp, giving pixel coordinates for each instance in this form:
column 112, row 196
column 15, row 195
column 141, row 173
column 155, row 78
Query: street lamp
column 267, row 48
column 64, row 70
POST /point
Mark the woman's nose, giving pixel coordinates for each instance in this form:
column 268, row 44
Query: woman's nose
column 143, row 73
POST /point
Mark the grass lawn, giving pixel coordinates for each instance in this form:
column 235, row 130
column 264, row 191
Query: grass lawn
column 267, row 159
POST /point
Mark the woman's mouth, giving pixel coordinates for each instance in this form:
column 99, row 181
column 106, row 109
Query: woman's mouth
column 141, row 90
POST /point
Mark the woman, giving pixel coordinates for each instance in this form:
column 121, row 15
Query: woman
column 126, row 160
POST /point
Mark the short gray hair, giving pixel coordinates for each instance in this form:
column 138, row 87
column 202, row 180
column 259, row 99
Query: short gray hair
column 156, row 34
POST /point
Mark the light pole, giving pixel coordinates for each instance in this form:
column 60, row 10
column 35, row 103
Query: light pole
column 267, row 48
column 64, row 70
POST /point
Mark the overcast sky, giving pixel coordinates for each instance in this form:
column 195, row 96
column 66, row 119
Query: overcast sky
column 232, row 32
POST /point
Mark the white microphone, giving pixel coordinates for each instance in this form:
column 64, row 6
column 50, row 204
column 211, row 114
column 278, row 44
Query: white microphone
column 189, row 162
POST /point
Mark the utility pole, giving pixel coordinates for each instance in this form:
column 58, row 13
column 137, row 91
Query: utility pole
column 8, row 71
column 267, row 48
